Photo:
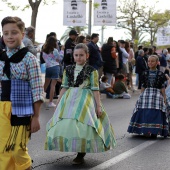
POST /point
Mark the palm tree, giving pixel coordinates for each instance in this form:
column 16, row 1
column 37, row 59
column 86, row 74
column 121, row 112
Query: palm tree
column 139, row 38
column 80, row 30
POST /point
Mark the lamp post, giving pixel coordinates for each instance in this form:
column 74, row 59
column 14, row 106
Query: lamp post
column 90, row 13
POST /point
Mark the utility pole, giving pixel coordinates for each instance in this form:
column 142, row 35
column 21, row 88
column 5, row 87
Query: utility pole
column 102, row 34
column 90, row 14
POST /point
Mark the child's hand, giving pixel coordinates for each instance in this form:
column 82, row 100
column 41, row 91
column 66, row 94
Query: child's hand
column 35, row 124
column 99, row 111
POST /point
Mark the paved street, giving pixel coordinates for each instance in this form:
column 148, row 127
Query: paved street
column 133, row 152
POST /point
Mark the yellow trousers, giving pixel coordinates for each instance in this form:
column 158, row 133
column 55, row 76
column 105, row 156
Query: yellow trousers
column 16, row 159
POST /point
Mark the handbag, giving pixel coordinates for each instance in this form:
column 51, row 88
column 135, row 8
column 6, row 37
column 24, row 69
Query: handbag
column 113, row 53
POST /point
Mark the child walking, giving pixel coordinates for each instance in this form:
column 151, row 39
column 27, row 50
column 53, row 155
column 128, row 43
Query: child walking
column 149, row 116
column 80, row 123
column 21, row 94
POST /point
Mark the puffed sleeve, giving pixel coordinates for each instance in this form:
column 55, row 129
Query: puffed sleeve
column 65, row 80
column 94, row 80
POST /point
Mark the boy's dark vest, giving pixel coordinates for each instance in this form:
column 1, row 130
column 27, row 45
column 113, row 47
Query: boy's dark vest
column 5, row 96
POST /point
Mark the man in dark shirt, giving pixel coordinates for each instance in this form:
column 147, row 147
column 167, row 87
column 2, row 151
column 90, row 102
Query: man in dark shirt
column 163, row 62
column 69, row 47
column 154, row 50
column 145, row 49
column 141, row 66
column 95, row 58
column 140, row 47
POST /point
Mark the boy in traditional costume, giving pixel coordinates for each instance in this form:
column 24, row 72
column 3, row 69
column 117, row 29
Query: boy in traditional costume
column 21, row 95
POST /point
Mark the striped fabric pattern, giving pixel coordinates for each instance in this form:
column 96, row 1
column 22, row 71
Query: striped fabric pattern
column 78, row 103
column 151, row 98
column 21, row 98
column 74, row 145
column 81, row 106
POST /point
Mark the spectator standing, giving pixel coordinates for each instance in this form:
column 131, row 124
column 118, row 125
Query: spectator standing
column 154, row 50
column 140, row 47
column 52, row 59
column 58, row 41
column 141, row 66
column 28, row 39
column 150, row 51
column 95, row 58
column 145, row 49
column 155, row 53
column 168, row 58
column 81, row 39
column 131, row 63
column 69, row 47
column 125, row 57
column 119, row 61
column 163, row 62
column 109, row 56
column 88, row 38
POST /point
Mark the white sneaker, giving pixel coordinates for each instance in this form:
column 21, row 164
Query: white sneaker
column 51, row 104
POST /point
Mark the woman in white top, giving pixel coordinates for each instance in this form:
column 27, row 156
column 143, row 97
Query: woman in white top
column 52, row 59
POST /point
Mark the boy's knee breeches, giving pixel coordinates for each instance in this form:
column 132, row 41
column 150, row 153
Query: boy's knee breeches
column 18, row 159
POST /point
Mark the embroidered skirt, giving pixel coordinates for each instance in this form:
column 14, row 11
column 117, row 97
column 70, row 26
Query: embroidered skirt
column 149, row 115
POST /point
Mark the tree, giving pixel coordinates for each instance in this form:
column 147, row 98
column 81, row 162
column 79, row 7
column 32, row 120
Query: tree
column 34, row 4
column 139, row 39
column 131, row 16
column 134, row 17
column 156, row 21
column 137, row 18
column 34, row 7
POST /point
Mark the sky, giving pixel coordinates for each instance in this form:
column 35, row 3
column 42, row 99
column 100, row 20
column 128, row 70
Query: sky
column 50, row 19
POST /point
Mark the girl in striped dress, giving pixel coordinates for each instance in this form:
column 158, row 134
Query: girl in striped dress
column 80, row 123
column 149, row 116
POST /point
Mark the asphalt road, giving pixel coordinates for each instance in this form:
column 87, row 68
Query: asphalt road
column 132, row 152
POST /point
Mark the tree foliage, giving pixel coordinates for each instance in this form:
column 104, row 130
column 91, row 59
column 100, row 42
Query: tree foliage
column 33, row 4
column 157, row 20
column 138, row 18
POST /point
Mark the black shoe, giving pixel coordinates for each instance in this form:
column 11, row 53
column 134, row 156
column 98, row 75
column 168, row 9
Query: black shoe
column 79, row 159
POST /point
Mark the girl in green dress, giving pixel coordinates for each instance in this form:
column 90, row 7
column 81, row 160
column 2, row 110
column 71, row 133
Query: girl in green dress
column 80, row 123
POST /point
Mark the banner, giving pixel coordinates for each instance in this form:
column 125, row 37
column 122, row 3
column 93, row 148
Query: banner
column 163, row 36
column 74, row 13
column 105, row 14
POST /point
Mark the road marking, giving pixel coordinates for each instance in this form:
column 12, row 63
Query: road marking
column 123, row 156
